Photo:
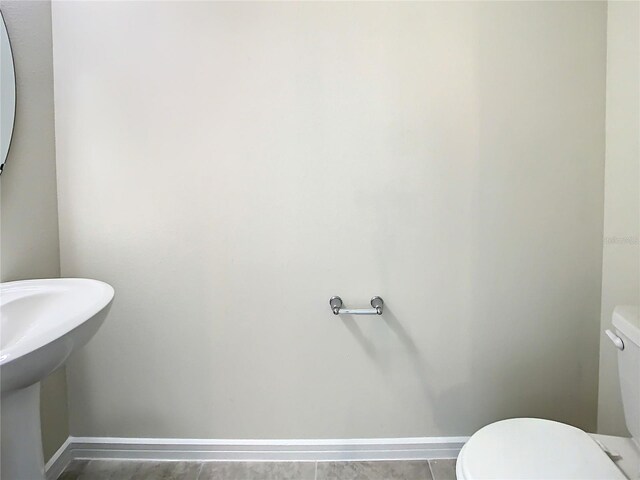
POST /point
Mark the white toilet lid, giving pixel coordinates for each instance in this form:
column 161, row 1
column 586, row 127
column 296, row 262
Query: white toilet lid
column 532, row 448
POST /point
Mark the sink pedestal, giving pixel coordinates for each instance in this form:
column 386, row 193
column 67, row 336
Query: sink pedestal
column 43, row 322
column 21, row 436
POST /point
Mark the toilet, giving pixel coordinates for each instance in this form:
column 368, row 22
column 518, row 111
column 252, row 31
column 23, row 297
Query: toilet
column 533, row 448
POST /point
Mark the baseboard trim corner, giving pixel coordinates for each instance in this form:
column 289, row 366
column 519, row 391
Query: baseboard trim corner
column 59, row 461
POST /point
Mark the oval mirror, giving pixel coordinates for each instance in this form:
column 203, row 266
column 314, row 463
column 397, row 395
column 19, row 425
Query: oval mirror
column 7, row 93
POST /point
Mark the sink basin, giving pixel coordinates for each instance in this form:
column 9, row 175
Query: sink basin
column 42, row 322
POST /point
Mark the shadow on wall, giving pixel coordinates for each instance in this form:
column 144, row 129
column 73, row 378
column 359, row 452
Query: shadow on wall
column 451, row 407
column 506, row 382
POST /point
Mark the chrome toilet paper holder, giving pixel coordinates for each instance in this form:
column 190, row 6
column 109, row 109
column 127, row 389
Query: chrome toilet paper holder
column 337, row 307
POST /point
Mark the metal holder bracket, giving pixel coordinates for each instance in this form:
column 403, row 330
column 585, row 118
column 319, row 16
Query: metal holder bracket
column 376, row 302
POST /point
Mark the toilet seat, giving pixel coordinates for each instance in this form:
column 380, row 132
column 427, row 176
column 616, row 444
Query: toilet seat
column 531, row 448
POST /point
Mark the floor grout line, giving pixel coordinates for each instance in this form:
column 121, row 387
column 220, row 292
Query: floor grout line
column 431, row 470
column 200, row 471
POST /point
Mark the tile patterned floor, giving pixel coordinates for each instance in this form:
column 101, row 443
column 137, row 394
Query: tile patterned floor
column 152, row 470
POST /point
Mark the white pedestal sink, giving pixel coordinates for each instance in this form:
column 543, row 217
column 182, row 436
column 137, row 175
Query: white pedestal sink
column 41, row 323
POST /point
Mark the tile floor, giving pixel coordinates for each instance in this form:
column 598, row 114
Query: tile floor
column 152, row 470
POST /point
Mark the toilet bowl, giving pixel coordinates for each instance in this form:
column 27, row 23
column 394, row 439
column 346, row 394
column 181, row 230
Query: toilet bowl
column 533, row 448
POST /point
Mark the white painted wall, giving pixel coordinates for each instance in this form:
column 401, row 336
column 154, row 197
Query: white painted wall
column 28, row 201
column 230, row 166
column 621, row 253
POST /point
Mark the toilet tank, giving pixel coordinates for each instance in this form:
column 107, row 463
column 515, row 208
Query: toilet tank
column 627, row 325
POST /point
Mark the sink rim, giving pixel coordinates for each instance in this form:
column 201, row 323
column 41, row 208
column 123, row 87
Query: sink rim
column 103, row 295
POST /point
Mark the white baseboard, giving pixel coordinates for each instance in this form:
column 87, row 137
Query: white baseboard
column 420, row 448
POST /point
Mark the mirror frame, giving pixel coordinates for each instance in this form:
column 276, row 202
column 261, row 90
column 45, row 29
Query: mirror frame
column 6, row 111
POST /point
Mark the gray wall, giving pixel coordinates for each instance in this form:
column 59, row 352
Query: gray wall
column 29, row 245
column 621, row 259
column 230, row 166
